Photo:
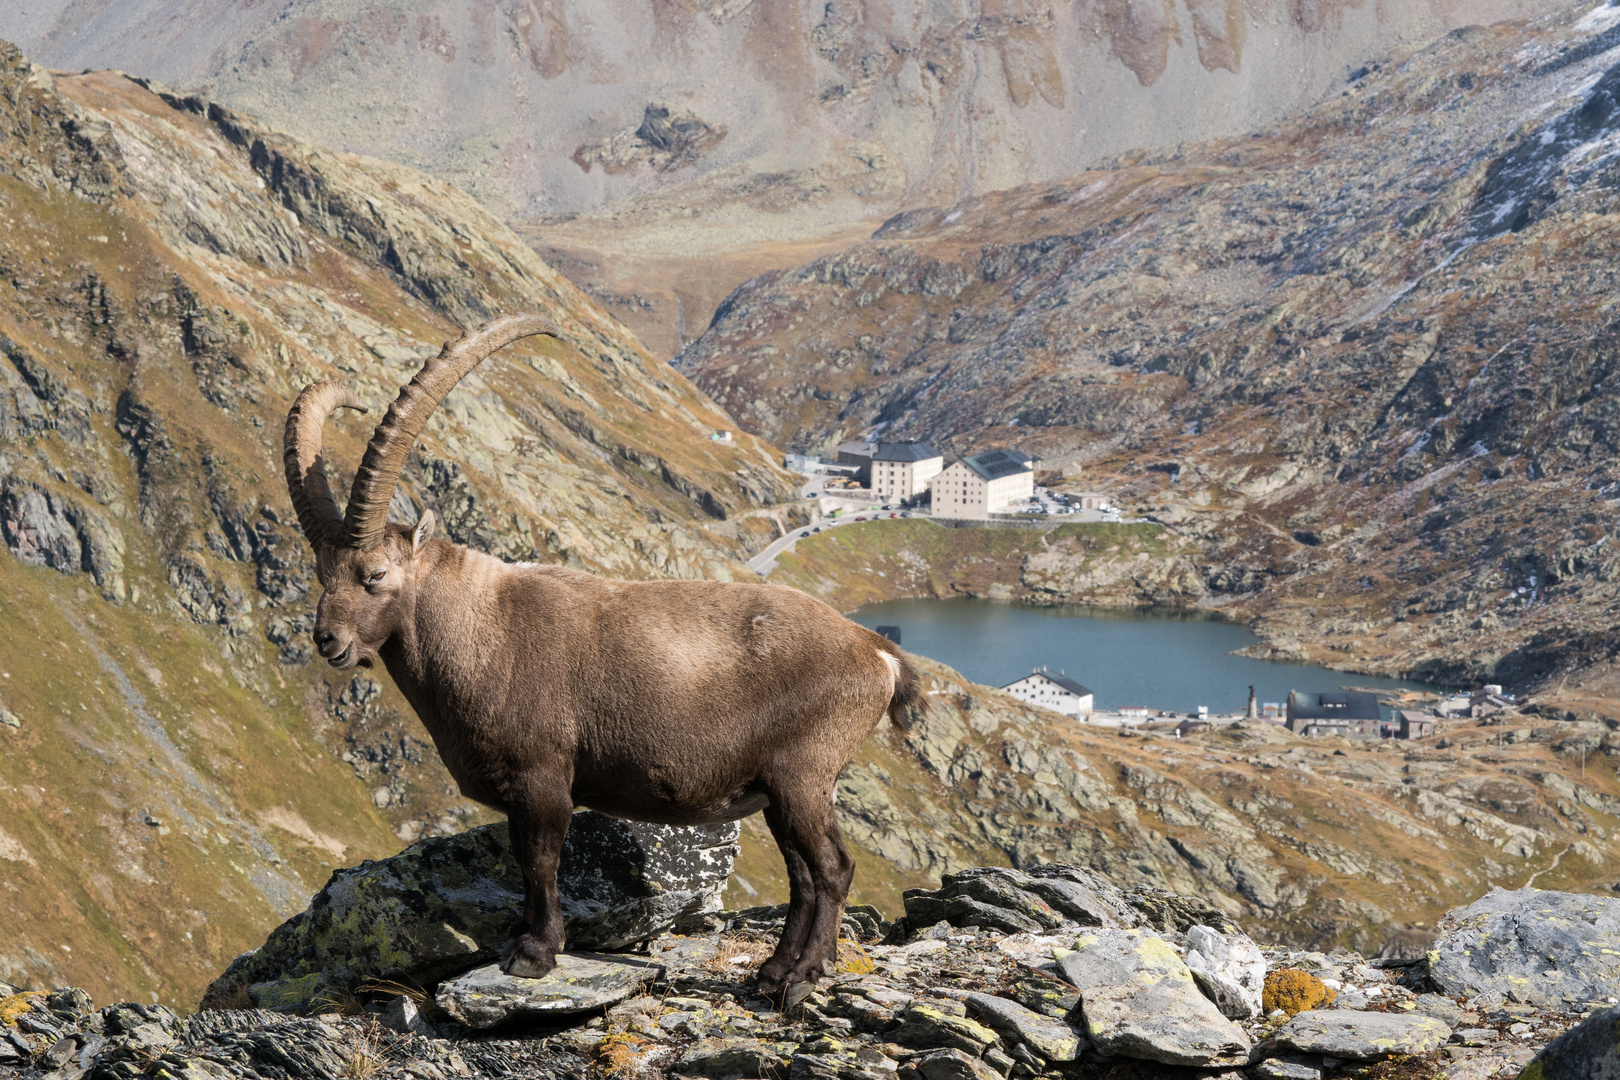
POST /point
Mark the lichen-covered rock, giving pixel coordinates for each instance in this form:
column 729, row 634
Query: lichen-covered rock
column 581, row 982
column 1363, row 1036
column 1229, row 969
column 1588, row 1051
column 1542, row 948
column 446, row 904
column 1139, row 1000
column 1293, row 991
column 1053, row 1039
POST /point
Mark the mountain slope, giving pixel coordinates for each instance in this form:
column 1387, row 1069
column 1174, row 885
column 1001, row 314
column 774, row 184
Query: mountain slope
column 1363, row 359
column 175, row 775
column 547, row 106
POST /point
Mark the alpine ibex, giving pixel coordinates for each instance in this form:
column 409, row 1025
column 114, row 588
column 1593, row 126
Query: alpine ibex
column 545, row 688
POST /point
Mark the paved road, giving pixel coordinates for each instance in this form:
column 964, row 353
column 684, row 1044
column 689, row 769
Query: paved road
column 763, row 563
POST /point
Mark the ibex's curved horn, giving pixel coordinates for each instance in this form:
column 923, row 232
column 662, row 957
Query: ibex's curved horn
column 301, row 453
column 391, row 443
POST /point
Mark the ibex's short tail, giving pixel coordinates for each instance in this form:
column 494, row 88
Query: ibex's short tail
column 908, row 690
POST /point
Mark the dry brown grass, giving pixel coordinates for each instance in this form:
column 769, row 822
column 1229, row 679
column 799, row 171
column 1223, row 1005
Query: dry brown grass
column 230, row 997
column 1405, row 1067
column 369, row 1051
column 740, row 954
column 341, row 1000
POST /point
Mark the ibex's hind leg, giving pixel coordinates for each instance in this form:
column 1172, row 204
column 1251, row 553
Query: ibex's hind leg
column 538, row 817
column 807, row 832
column 801, row 904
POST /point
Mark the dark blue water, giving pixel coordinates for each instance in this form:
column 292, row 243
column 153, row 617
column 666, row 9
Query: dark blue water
column 1163, row 660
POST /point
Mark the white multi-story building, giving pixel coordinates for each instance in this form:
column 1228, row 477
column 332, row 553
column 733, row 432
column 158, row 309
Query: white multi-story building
column 980, row 484
column 901, row 471
column 1056, row 692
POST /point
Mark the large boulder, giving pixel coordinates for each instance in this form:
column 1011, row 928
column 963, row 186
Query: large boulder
column 446, row 904
column 1540, row 948
column 1588, row 1051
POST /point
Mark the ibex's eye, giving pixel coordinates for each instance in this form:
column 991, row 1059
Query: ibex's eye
column 376, row 576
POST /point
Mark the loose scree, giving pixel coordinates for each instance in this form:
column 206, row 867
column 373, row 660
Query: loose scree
column 546, row 688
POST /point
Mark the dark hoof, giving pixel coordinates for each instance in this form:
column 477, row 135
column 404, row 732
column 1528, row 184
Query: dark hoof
column 527, row 958
column 796, row 994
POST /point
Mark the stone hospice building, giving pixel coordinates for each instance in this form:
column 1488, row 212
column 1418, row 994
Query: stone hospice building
column 980, row 484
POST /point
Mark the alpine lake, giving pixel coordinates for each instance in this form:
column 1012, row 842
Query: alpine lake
column 1163, row 660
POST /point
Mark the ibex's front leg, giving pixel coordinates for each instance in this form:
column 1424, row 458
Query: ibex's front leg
column 537, row 813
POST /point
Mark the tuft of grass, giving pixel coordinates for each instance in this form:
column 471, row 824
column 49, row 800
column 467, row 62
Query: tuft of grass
column 341, row 1000
column 232, row 997
column 369, row 1051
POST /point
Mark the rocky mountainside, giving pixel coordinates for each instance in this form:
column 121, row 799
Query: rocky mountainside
column 549, row 106
column 1360, row 361
column 175, row 776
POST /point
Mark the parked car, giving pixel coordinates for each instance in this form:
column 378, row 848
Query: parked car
column 813, row 495
column 888, row 507
column 894, row 515
column 816, row 529
column 860, row 519
column 905, row 513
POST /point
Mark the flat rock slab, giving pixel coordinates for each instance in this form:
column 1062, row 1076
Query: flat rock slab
column 1139, row 1000
column 1538, row 947
column 581, row 982
column 1362, row 1036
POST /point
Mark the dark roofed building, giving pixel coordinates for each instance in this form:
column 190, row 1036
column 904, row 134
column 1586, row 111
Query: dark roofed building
column 1340, row 712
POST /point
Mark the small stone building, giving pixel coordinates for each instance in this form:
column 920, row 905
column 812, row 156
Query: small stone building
column 901, row 471
column 1411, row 724
column 980, row 484
column 1056, row 692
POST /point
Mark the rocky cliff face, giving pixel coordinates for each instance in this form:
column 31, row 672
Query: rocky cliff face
column 554, row 106
column 1362, row 359
column 175, row 775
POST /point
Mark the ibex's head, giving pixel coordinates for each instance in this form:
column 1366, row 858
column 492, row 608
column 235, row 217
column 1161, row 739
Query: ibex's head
column 367, row 566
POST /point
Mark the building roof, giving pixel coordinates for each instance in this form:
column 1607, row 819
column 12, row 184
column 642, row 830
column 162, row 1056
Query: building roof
column 856, row 446
column 1062, row 680
column 994, row 464
column 905, row 451
column 1338, row 705
column 1413, row 716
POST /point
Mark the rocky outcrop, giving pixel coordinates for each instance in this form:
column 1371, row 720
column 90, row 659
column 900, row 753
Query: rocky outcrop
column 446, row 903
column 946, row 1001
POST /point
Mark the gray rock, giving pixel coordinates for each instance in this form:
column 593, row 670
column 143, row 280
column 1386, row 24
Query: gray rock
column 726, row 1059
column 447, row 903
column 947, row 1065
column 1588, row 1051
column 1541, row 948
column 1438, row 1006
column 1229, row 969
column 829, row 1058
column 1286, row 1070
column 1139, row 1000
column 1052, row 1039
column 1361, row 1035
column 403, row 1016
column 928, row 1025
column 581, row 982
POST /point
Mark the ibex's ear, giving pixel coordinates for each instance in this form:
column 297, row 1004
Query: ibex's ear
column 422, row 533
